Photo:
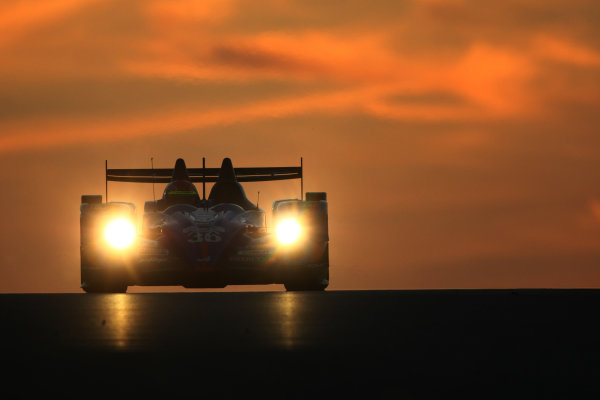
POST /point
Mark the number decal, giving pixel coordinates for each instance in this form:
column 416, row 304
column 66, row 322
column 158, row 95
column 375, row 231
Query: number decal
column 212, row 237
column 200, row 235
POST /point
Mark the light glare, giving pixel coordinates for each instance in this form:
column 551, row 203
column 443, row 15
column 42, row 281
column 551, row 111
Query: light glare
column 120, row 233
column 288, row 231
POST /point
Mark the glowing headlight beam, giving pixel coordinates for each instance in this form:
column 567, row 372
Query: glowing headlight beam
column 288, row 231
column 120, row 233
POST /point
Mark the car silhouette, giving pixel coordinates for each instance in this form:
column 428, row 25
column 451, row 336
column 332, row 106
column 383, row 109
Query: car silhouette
column 197, row 242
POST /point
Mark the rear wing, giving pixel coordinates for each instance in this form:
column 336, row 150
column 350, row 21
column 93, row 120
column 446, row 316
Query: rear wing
column 163, row 175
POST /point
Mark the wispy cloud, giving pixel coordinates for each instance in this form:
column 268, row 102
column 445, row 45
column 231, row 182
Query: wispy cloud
column 19, row 18
column 566, row 51
column 362, row 67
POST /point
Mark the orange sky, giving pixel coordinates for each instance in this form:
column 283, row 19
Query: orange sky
column 457, row 140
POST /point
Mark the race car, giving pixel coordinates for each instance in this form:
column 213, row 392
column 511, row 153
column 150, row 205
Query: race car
column 198, row 242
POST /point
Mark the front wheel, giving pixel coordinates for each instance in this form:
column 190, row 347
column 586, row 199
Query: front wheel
column 101, row 284
column 314, row 281
column 104, row 287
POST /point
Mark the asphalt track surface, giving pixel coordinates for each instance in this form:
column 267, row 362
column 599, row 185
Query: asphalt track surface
column 375, row 344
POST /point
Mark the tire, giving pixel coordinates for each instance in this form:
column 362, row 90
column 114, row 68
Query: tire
column 303, row 287
column 104, row 287
column 317, row 281
column 101, row 285
column 315, row 278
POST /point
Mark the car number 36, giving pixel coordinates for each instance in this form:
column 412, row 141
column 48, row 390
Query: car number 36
column 198, row 236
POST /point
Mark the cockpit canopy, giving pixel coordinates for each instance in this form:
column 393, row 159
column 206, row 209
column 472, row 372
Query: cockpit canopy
column 180, row 192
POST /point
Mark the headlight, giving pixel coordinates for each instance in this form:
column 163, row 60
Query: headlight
column 120, row 233
column 288, row 231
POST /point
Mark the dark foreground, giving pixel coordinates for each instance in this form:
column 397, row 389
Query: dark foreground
column 493, row 343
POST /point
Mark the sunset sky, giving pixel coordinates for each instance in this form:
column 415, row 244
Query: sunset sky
column 458, row 141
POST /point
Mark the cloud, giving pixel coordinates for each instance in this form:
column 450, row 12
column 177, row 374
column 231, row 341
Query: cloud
column 189, row 42
column 26, row 134
column 175, row 13
column 566, row 51
column 19, row 18
column 252, row 58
